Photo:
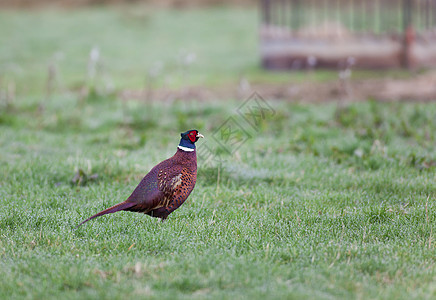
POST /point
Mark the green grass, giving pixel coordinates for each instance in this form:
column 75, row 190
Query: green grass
column 323, row 201
column 131, row 41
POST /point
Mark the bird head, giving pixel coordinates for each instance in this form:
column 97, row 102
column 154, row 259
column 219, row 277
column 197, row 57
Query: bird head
column 188, row 140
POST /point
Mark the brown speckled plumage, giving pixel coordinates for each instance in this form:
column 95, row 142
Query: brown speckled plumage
column 164, row 188
column 167, row 185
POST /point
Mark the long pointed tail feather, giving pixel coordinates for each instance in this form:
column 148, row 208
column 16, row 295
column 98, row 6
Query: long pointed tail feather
column 115, row 208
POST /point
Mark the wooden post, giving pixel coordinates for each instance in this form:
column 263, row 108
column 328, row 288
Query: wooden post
column 408, row 35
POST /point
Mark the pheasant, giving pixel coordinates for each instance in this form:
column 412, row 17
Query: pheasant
column 166, row 186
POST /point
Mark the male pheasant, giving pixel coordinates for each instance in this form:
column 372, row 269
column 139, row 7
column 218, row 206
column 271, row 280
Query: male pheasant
column 166, row 186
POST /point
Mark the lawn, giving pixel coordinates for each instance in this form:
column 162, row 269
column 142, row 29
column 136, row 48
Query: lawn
column 317, row 201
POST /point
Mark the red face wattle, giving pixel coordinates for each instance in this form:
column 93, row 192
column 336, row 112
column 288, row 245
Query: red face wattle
column 192, row 135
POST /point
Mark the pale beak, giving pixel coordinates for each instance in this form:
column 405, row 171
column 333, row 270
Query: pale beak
column 199, row 135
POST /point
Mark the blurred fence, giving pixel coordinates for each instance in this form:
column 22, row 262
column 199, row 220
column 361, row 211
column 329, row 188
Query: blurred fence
column 369, row 33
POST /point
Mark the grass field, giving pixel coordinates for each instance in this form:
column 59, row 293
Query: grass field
column 131, row 42
column 322, row 201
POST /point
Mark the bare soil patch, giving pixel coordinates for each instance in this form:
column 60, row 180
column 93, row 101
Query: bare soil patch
column 419, row 88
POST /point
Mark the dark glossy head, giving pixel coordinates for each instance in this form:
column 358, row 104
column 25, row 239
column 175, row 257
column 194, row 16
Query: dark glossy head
column 189, row 138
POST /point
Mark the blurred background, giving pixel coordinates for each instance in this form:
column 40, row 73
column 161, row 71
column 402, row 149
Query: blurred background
column 203, row 50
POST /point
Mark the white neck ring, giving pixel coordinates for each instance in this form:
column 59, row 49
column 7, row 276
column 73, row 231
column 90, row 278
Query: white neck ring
column 186, row 149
